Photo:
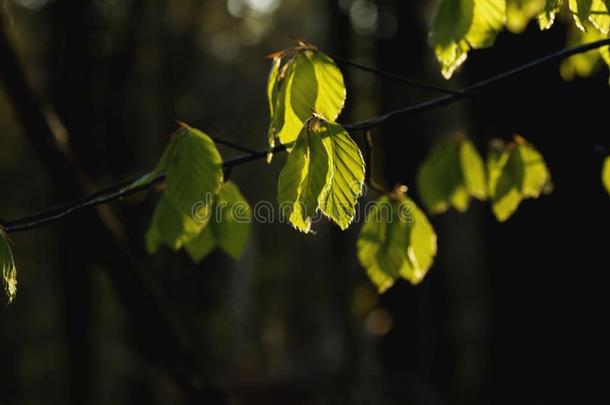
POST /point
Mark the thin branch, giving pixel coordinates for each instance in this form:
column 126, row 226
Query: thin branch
column 232, row 145
column 121, row 190
column 394, row 76
column 475, row 88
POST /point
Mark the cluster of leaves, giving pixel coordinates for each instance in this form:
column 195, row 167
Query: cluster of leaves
column 462, row 25
column 197, row 210
column 454, row 171
column 451, row 174
column 516, row 171
column 302, row 80
column 396, row 241
column 325, row 170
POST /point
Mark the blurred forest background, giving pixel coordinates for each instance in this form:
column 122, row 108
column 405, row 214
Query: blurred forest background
column 508, row 314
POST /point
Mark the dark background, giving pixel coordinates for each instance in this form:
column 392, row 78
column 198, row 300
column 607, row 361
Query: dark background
column 510, row 313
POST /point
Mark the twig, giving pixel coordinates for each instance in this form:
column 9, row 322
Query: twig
column 475, row 88
column 394, row 76
column 232, row 145
column 118, row 191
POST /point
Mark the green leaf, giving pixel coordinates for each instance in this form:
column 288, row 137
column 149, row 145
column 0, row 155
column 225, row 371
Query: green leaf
column 302, row 80
column 520, row 12
column 583, row 64
column 201, row 246
column 173, row 228
column 516, row 171
column 473, row 170
column 504, row 178
column 451, row 174
column 580, row 11
column 606, row 174
column 536, row 177
column 9, row 271
column 600, row 15
column 461, row 25
column 396, row 241
column 547, row 17
column 228, row 228
column 194, row 172
column 272, row 95
column 233, row 220
column 303, row 179
column 346, row 174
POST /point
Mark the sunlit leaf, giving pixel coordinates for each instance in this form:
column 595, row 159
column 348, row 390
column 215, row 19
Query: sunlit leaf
column 606, row 174
column 547, row 17
column 516, row 171
column 171, row 227
column 580, row 11
column 520, row 12
column 396, row 241
column 273, row 87
column 302, row 80
column 451, row 174
column 473, row 170
column 460, row 25
column 504, row 176
column 9, row 271
column 346, row 173
column 303, row 179
column 536, row 177
column 228, row 227
column 600, row 16
column 583, row 64
column 194, row 172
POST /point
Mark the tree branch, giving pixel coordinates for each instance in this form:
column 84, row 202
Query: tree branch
column 121, row 190
column 394, row 76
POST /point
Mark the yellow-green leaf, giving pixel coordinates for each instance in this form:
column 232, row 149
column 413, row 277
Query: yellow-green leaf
column 547, row 17
column 396, row 241
column 606, row 174
column 473, row 170
column 201, row 246
column 600, row 16
column 194, row 172
column 583, row 64
column 303, row 179
column 520, row 12
column 232, row 220
column 536, row 177
column 516, row 171
column 9, row 271
column 302, row 80
column 460, row 25
column 272, row 95
column 503, row 175
column 228, row 228
column 346, row 173
column 171, row 227
column 580, row 11
column 451, row 174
